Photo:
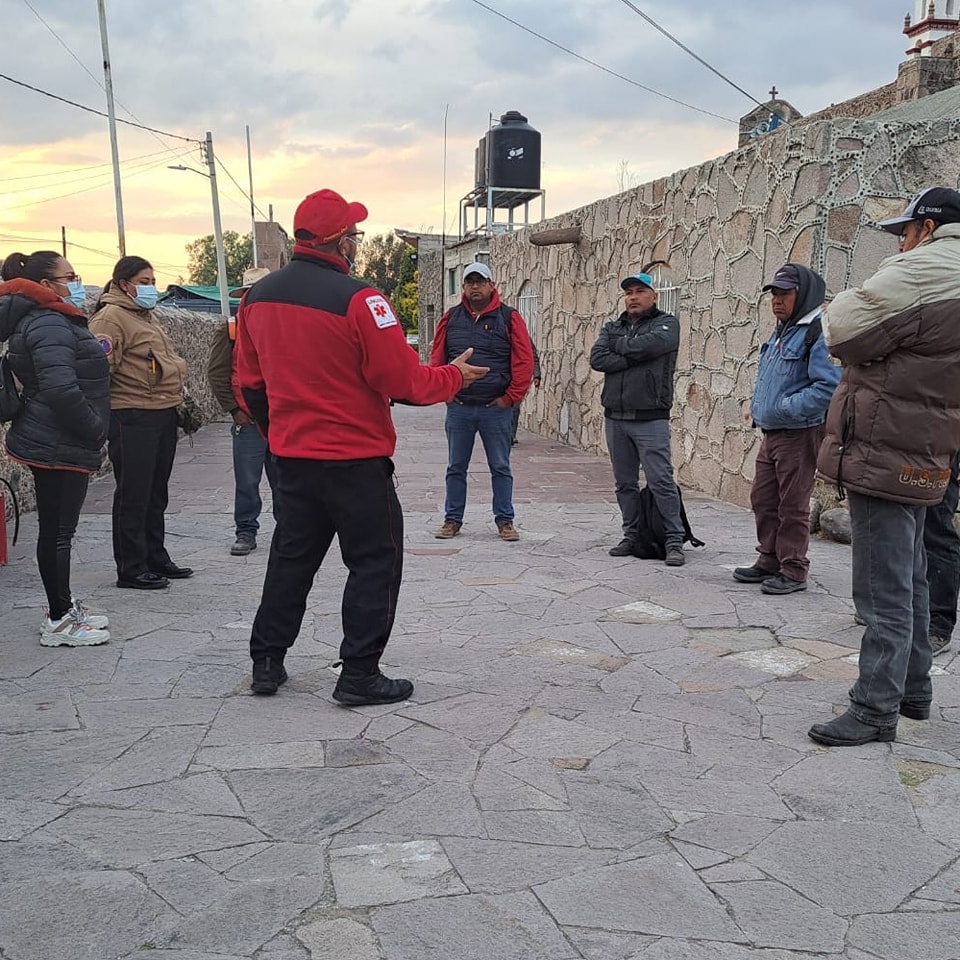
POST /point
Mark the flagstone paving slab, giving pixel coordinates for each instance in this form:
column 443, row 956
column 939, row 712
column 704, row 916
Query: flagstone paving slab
column 603, row 759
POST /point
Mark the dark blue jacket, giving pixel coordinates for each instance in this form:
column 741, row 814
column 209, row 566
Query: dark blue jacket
column 500, row 341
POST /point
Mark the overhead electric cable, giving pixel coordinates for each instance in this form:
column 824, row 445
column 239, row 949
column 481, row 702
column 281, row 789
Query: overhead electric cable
column 63, row 43
column 600, row 66
column 100, row 186
column 131, row 164
column 91, row 166
column 246, row 196
column 99, row 113
column 656, row 26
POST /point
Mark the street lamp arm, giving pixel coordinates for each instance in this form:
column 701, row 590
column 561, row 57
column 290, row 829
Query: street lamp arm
column 180, row 166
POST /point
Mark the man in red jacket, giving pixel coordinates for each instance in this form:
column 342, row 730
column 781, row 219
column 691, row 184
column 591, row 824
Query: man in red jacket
column 498, row 337
column 319, row 355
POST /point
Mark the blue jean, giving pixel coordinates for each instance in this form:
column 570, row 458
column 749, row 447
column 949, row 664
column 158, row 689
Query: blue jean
column 646, row 443
column 250, row 457
column 890, row 593
column 942, row 544
column 495, row 426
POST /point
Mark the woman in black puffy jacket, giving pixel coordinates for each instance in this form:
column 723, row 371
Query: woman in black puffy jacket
column 61, row 428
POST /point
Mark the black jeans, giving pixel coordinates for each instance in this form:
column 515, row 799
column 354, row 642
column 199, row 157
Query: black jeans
column 60, row 496
column 357, row 501
column 143, row 444
column 942, row 545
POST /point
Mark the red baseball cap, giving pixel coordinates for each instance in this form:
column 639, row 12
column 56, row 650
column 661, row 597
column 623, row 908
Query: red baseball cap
column 327, row 216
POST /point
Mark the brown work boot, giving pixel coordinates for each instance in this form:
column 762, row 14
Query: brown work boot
column 450, row 528
column 507, row 531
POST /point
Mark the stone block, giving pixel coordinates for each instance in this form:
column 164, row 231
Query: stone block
column 843, row 223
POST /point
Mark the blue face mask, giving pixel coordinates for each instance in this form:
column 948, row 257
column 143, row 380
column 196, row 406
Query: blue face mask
column 146, row 296
column 77, row 295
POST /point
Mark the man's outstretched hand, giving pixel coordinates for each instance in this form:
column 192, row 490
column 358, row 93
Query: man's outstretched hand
column 468, row 371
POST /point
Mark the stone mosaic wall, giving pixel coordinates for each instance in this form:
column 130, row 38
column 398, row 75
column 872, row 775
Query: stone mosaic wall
column 192, row 333
column 809, row 193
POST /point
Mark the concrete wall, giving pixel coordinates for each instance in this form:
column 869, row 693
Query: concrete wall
column 807, row 193
column 192, row 333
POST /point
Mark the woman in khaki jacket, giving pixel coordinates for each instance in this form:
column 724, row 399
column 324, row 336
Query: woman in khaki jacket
column 146, row 385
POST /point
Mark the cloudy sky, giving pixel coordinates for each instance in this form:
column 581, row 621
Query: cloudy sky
column 353, row 94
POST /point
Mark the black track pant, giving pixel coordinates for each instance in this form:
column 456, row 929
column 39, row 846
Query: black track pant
column 357, row 501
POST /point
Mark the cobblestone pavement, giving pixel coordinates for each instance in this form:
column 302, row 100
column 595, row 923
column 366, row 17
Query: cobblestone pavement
column 603, row 759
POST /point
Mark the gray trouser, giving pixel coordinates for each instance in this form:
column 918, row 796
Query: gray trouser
column 890, row 593
column 646, row 443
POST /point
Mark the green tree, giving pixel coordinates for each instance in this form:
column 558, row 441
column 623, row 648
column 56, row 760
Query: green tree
column 389, row 264
column 406, row 298
column 202, row 259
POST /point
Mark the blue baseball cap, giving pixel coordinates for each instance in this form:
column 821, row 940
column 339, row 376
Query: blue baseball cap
column 643, row 278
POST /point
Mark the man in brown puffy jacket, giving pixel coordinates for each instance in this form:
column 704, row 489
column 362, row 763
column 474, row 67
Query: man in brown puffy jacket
column 892, row 431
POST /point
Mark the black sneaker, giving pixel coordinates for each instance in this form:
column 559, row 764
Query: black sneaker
column 370, row 689
column 781, row 584
column 268, row 675
column 623, row 549
column 752, row 574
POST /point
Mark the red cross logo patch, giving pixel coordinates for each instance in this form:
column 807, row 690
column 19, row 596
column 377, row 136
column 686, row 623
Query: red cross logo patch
column 381, row 311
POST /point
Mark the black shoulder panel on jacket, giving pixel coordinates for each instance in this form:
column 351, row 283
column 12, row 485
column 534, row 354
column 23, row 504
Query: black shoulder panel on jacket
column 307, row 283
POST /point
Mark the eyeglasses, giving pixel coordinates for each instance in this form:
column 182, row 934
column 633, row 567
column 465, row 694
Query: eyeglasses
column 67, row 278
column 356, row 237
column 475, row 281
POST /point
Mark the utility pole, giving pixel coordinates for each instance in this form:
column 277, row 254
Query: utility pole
column 253, row 215
column 63, row 241
column 217, row 228
column 112, row 121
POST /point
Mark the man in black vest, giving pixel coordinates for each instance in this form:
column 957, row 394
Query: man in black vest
column 499, row 339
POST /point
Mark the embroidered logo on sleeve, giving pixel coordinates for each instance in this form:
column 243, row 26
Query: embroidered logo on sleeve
column 106, row 343
column 380, row 310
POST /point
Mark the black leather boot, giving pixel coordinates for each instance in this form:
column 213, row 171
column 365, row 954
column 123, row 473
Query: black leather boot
column 848, row 731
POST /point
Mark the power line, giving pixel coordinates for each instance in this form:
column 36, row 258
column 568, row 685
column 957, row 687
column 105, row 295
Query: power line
column 99, row 113
column 600, row 66
column 63, row 43
column 246, row 195
column 134, row 163
column 99, row 186
column 656, row 26
column 91, row 166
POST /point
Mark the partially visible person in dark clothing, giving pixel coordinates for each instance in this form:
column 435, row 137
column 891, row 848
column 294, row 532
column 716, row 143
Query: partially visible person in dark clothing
column 146, row 386
column 62, row 427
column 795, row 381
column 942, row 546
column 319, row 355
column 536, row 383
column 251, row 456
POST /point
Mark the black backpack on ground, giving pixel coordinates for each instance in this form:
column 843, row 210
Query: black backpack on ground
column 651, row 541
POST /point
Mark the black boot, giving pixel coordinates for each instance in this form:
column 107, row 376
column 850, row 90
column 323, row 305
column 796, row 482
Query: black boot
column 848, row 731
column 365, row 689
column 268, row 674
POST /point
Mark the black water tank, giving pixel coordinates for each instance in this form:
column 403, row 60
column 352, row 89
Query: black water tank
column 514, row 155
